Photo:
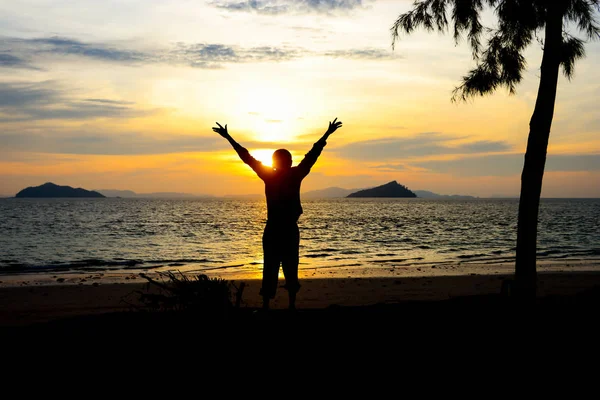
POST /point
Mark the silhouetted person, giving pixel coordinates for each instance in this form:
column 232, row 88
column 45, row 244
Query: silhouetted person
column 281, row 238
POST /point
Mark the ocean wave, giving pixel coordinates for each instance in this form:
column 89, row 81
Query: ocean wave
column 138, row 235
column 95, row 265
column 463, row 256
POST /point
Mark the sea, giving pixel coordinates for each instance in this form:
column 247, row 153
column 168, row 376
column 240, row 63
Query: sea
column 223, row 236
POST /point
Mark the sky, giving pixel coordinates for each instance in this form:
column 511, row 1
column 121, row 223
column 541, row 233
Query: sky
column 122, row 94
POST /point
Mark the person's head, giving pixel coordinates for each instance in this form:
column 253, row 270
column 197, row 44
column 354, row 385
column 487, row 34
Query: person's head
column 282, row 159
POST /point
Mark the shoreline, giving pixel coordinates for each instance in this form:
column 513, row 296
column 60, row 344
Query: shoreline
column 306, row 271
column 29, row 304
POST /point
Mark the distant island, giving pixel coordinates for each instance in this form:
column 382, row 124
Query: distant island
column 129, row 194
column 390, row 189
column 337, row 192
column 52, row 190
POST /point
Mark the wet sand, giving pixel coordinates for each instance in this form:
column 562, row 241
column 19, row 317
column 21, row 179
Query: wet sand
column 29, row 304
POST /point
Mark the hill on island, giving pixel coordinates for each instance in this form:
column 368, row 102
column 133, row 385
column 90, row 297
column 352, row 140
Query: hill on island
column 52, row 190
column 390, row 189
column 337, row 192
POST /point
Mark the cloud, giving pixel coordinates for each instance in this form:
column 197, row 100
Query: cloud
column 568, row 162
column 363, row 54
column 196, row 55
column 390, row 167
column 201, row 55
column 423, row 144
column 107, row 101
column 46, row 100
column 17, row 95
column 39, row 50
column 90, row 141
column 205, row 55
column 66, row 46
column 278, row 7
column 106, row 143
column 484, row 146
column 510, row 164
column 261, row 7
column 10, row 61
column 31, row 158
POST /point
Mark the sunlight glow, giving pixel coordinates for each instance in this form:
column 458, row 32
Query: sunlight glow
column 265, row 156
column 272, row 111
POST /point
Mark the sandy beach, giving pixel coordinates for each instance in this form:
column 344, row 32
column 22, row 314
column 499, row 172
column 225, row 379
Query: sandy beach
column 51, row 298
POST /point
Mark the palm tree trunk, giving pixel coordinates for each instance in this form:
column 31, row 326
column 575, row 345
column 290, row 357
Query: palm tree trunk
column 535, row 158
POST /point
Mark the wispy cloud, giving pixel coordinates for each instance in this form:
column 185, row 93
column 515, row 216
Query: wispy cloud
column 307, row 29
column 66, row 46
column 277, row 7
column 202, row 55
column 198, row 55
column 363, row 54
column 423, row 144
column 47, row 100
column 107, row 101
column 14, row 52
column 390, row 167
column 85, row 141
column 11, row 61
column 510, row 164
column 18, row 95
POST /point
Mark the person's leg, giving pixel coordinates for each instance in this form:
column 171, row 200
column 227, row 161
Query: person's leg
column 266, row 301
column 271, row 261
column 290, row 263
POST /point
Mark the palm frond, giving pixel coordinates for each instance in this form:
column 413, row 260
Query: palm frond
column 572, row 49
column 501, row 64
column 430, row 14
column 581, row 12
column 465, row 15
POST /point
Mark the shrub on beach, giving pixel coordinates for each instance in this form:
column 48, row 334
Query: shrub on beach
column 197, row 294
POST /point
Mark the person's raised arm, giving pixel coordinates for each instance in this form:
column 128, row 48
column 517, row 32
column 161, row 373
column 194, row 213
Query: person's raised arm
column 311, row 157
column 256, row 165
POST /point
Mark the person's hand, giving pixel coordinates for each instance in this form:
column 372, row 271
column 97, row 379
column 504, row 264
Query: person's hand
column 333, row 126
column 221, row 131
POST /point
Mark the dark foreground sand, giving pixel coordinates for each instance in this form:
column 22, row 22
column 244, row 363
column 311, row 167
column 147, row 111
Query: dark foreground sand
column 320, row 301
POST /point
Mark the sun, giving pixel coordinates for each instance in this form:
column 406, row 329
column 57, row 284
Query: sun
column 271, row 112
column 264, row 156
